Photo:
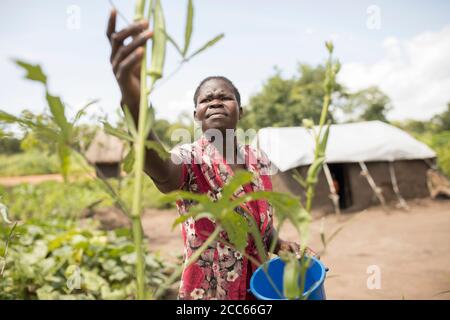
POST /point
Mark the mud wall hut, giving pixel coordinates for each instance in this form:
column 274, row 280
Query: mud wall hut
column 394, row 161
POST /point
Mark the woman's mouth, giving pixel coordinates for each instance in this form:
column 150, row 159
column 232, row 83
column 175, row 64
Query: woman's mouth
column 217, row 115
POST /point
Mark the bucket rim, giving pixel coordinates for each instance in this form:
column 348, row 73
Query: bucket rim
column 316, row 285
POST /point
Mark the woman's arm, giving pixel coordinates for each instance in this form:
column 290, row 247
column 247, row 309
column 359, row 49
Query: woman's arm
column 126, row 64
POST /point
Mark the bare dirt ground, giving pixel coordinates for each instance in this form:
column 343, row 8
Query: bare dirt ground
column 411, row 250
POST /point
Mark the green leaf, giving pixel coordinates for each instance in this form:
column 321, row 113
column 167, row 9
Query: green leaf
column 34, row 72
column 149, row 121
column 324, row 141
column 82, row 111
column 210, row 43
column 189, row 27
column 237, row 229
column 43, row 130
column 314, row 169
column 64, row 159
column 158, row 43
column 8, row 118
column 130, row 121
column 240, row 178
column 260, row 247
column 329, row 45
column 298, row 177
column 57, row 109
column 174, row 43
column 179, row 194
column 308, row 123
column 128, row 162
column 116, row 132
column 196, row 212
column 291, row 289
column 156, row 146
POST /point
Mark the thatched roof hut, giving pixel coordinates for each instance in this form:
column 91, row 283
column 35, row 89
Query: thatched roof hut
column 106, row 152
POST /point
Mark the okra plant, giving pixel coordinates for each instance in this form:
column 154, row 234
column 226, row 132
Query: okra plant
column 137, row 135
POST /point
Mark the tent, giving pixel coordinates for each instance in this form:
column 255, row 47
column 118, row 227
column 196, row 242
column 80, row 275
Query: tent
column 366, row 163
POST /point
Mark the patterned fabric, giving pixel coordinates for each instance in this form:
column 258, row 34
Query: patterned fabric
column 221, row 272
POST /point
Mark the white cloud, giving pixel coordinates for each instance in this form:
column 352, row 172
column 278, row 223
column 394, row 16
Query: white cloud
column 415, row 73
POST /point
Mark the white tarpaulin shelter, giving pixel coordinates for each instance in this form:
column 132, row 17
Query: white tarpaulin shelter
column 291, row 147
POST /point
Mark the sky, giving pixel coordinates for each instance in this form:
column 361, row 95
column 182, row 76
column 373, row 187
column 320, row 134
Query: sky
column 401, row 46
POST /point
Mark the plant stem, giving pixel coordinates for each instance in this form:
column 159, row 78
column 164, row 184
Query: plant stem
column 139, row 149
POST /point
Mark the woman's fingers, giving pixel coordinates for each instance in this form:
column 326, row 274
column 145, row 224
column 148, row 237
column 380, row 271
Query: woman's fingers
column 294, row 248
column 117, row 38
column 111, row 24
column 124, row 51
column 128, row 63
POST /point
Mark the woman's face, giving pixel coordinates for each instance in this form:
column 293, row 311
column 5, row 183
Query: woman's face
column 217, row 107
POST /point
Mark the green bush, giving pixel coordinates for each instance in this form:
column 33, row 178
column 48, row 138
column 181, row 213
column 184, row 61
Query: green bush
column 440, row 143
column 34, row 162
column 58, row 259
column 57, row 199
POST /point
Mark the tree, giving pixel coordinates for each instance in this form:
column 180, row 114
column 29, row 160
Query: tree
column 368, row 104
column 8, row 143
column 286, row 102
column 442, row 121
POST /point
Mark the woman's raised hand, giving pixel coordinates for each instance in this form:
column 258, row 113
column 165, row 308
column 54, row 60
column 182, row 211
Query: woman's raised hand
column 126, row 59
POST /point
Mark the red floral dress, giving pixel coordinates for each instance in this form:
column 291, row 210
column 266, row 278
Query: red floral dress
column 221, row 272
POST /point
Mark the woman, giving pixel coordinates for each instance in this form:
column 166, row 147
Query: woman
column 221, row 272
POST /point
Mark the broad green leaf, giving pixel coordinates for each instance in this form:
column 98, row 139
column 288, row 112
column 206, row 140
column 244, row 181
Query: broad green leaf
column 189, row 27
column 210, row 43
column 116, row 132
column 240, row 178
column 158, row 43
column 237, row 229
column 34, row 72
column 128, row 162
column 291, row 289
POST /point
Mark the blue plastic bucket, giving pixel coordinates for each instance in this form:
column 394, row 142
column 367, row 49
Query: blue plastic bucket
column 314, row 282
